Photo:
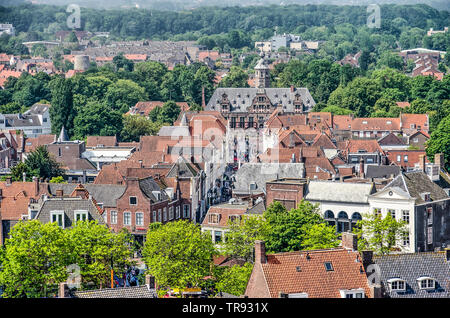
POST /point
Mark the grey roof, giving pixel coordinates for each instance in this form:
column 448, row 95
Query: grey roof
column 122, row 292
column 410, row 267
column 148, row 185
column 174, row 131
column 339, row 191
column 68, row 205
column 417, row 182
column 242, row 98
column 63, row 135
column 262, row 65
column 258, row 208
column 375, row 171
column 21, row 120
column 183, row 169
column 260, row 173
column 38, row 109
column 107, row 194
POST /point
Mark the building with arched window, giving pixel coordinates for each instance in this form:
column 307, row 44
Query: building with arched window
column 342, row 204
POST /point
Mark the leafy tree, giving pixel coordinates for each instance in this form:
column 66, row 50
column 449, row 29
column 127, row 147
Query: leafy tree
column 235, row 78
column 123, row 94
column 58, row 179
column 287, row 228
column 234, row 279
column 97, row 250
column 169, row 112
column 320, row 236
column 39, row 163
column 178, row 254
column 135, row 126
column 439, row 141
column 379, row 234
column 241, row 236
column 34, row 260
column 96, row 119
column 121, row 62
column 62, row 112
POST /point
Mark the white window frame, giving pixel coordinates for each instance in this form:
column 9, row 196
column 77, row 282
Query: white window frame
column 141, row 214
column 394, row 284
column 429, row 282
column 159, row 215
column 81, row 213
column 154, row 216
column 129, row 200
column 165, row 214
column 58, row 212
column 352, row 292
column 113, row 217
column 171, row 213
column 177, row 212
column 405, row 216
column 126, row 213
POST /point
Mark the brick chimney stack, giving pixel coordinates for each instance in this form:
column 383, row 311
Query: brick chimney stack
column 36, row 185
column 260, row 252
column 439, row 160
column 349, row 241
column 63, row 291
column 422, row 162
column 361, row 168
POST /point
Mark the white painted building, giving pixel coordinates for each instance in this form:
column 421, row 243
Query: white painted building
column 33, row 122
column 106, row 155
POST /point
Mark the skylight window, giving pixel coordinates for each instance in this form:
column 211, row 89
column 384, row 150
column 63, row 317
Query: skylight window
column 328, row 267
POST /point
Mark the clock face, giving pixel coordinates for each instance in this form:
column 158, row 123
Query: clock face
column 391, row 193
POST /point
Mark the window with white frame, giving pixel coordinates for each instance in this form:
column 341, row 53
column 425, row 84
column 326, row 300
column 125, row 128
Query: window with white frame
column 397, row 284
column 430, row 215
column 186, row 210
column 58, row 217
column 127, row 218
column 214, row 218
column 352, row 293
column 81, row 215
column 105, row 216
column 159, row 215
column 139, row 219
column 406, row 239
column 399, row 158
column 426, row 283
column 113, row 217
column 133, row 200
column 177, row 212
column 405, row 158
column 377, row 211
column 234, row 218
column 165, row 214
column 154, row 216
column 171, row 213
column 405, row 216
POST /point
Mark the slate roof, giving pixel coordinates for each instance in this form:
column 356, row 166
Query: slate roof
column 122, row 292
column 339, row 191
column 148, row 185
column 281, row 273
column 410, row 267
column 375, row 171
column 258, row 208
column 277, row 96
column 416, row 182
column 102, row 193
column 260, row 173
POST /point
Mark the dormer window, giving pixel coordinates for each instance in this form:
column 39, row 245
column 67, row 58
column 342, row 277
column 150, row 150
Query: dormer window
column 364, row 122
column 252, row 186
column 234, row 218
column 397, row 284
column 389, row 122
column 425, row 196
column 328, row 267
column 214, row 218
column 426, row 283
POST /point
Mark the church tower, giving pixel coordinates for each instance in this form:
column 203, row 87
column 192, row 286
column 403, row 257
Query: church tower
column 262, row 76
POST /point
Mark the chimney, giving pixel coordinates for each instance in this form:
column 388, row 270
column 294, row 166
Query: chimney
column 59, row 193
column 292, row 88
column 366, row 257
column 422, row 162
column 8, row 180
column 63, row 291
column 36, row 185
column 447, row 254
column 375, row 290
column 361, row 168
column 439, row 160
column 24, row 177
column 349, row 241
column 260, row 252
column 140, row 164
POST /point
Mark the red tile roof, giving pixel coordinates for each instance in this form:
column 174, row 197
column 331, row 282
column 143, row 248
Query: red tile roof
column 282, row 275
column 106, row 141
column 224, row 210
column 377, row 124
